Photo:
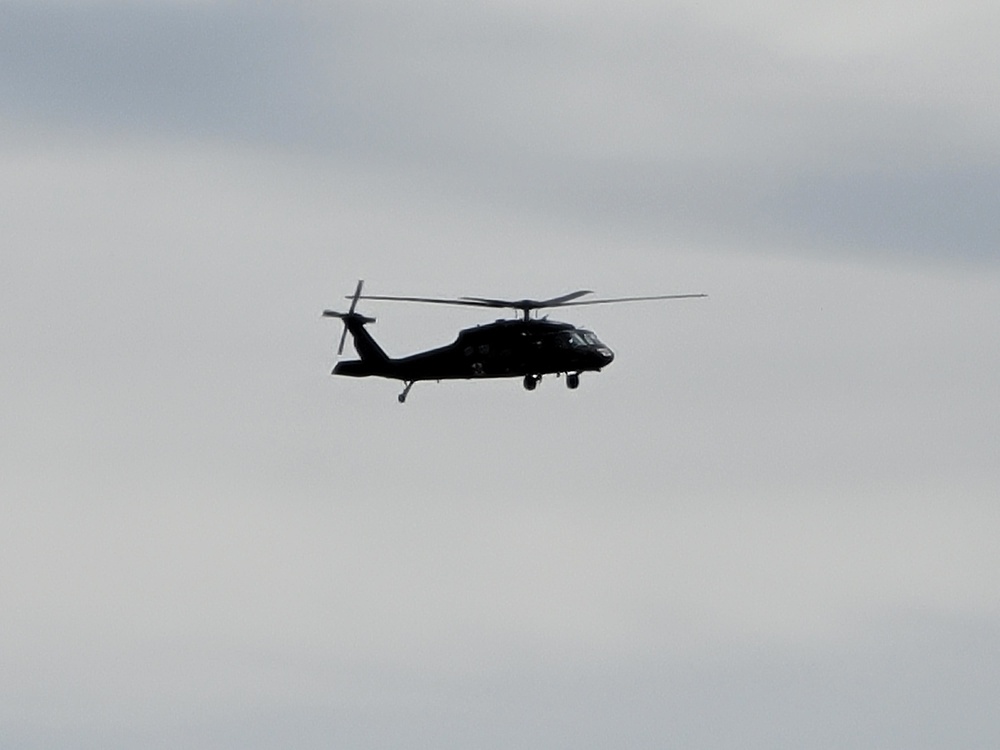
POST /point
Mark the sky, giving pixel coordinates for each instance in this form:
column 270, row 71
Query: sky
column 770, row 523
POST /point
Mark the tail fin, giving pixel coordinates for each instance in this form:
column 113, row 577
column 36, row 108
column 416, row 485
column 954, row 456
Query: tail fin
column 373, row 360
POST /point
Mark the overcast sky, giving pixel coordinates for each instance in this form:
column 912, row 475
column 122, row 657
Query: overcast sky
column 771, row 523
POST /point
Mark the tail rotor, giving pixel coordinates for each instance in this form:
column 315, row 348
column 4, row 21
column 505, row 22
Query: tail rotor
column 349, row 315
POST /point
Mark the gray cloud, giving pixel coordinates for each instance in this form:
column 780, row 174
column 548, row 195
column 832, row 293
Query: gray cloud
column 770, row 524
column 192, row 71
column 886, row 685
column 665, row 124
column 950, row 213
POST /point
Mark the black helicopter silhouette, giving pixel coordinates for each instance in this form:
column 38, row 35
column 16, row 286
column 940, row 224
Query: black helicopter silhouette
column 525, row 347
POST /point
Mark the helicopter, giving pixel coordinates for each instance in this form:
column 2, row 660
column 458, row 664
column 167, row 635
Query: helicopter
column 526, row 346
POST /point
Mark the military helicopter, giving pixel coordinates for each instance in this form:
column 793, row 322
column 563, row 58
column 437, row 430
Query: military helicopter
column 525, row 347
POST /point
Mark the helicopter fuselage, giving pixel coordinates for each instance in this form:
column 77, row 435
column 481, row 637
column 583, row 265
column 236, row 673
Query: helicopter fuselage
column 503, row 349
column 528, row 347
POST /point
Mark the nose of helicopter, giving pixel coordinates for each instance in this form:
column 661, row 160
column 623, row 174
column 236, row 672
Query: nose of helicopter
column 604, row 356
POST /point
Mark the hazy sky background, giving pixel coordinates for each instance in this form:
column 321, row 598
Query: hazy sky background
column 771, row 523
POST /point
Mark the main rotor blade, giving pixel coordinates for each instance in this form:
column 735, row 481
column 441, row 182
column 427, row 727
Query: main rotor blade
column 565, row 300
column 432, row 300
column 556, row 301
column 513, row 304
column 631, row 299
column 530, row 304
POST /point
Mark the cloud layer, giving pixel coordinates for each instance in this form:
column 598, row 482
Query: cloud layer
column 861, row 126
column 771, row 523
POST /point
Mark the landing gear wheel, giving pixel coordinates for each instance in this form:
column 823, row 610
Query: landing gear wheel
column 573, row 380
column 406, row 389
column 531, row 382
